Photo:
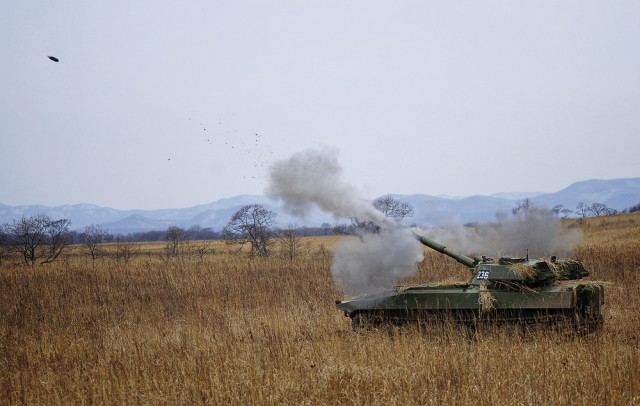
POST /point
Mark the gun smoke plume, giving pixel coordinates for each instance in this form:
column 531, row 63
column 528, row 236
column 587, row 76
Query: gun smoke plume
column 314, row 178
column 377, row 260
column 537, row 232
column 374, row 261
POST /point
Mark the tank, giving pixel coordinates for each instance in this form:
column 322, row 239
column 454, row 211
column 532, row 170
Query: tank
column 507, row 290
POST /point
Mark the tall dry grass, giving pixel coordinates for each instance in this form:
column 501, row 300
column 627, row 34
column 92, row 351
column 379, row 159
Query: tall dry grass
column 229, row 329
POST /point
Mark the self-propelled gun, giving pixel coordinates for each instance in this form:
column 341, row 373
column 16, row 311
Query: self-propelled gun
column 548, row 292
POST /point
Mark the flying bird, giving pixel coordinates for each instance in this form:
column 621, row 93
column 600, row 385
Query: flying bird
column 53, row 58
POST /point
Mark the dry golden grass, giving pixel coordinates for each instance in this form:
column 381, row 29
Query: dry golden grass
column 229, row 329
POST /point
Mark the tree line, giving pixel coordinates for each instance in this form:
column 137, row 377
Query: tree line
column 39, row 239
column 591, row 210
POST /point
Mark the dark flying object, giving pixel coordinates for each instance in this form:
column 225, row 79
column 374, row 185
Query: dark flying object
column 53, row 58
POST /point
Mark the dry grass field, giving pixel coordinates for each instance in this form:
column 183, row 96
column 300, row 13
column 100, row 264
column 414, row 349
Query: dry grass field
column 228, row 329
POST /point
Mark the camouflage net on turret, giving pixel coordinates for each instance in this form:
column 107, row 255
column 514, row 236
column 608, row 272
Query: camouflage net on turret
column 524, row 271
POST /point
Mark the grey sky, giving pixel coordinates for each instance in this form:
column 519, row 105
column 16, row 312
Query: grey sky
column 454, row 98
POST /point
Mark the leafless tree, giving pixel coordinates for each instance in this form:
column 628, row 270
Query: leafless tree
column 175, row 238
column 58, row 237
column 38, row 238
column 251, row 224
column 360, row 227
column 393, row 208
column 565, row 213
column 387, row 205
column 27, row 235
column 523, row 206
column 557, row 208
column 582, row 209
column 93, row 238
column 202, row 248
column 124, row 251
column 525, row 210
column 601, row 209
column 561, row 211
column 290, row 242
column 342, row 229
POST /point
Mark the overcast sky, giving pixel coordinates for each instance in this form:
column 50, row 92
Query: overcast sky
column 166, row 104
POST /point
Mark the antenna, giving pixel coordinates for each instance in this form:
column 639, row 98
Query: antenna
column 527, row 254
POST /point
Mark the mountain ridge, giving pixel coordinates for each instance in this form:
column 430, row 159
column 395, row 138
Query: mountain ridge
column 429, row 210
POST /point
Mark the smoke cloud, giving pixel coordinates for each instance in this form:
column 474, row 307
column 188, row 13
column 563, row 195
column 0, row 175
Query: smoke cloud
column 374, row 261
column 314, row 177
column 378, row 260
column 370, row 261
column 536, row 231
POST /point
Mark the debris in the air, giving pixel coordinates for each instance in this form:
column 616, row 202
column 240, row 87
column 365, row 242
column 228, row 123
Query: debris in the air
column 53, row 58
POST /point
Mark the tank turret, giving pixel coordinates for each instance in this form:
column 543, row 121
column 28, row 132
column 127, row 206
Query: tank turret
column 513, row 270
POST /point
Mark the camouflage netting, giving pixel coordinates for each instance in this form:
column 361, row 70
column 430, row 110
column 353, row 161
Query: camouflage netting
column 487, row 300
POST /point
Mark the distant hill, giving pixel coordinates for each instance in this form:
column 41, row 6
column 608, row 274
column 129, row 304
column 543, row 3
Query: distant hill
column 618, row 194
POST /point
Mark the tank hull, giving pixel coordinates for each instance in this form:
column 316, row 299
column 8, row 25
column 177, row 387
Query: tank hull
column 572, row 304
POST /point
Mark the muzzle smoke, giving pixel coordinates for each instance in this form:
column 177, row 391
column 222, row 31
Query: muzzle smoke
column 375, row 261
column 314, row 178
column 372, row 261
column 537, row 232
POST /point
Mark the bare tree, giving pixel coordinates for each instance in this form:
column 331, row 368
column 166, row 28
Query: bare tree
column 565, row 213
column 557, row 208
column 525, row 210
column 393, row 208
column 199, row 244
column 601, row 209
column 93, row 238
column 124, row 251
column 290, row 242
column 58, row 237
column 523, row 206
column 582, row 209
column 361, row 227
column 175, row 238
column 387, row 205
column 561, row 211
column 201, row 248
column 27, row 235
column 38, row 238
column 342, row 229
column 251, row 224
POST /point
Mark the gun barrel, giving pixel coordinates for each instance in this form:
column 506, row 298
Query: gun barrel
column 463, row 259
